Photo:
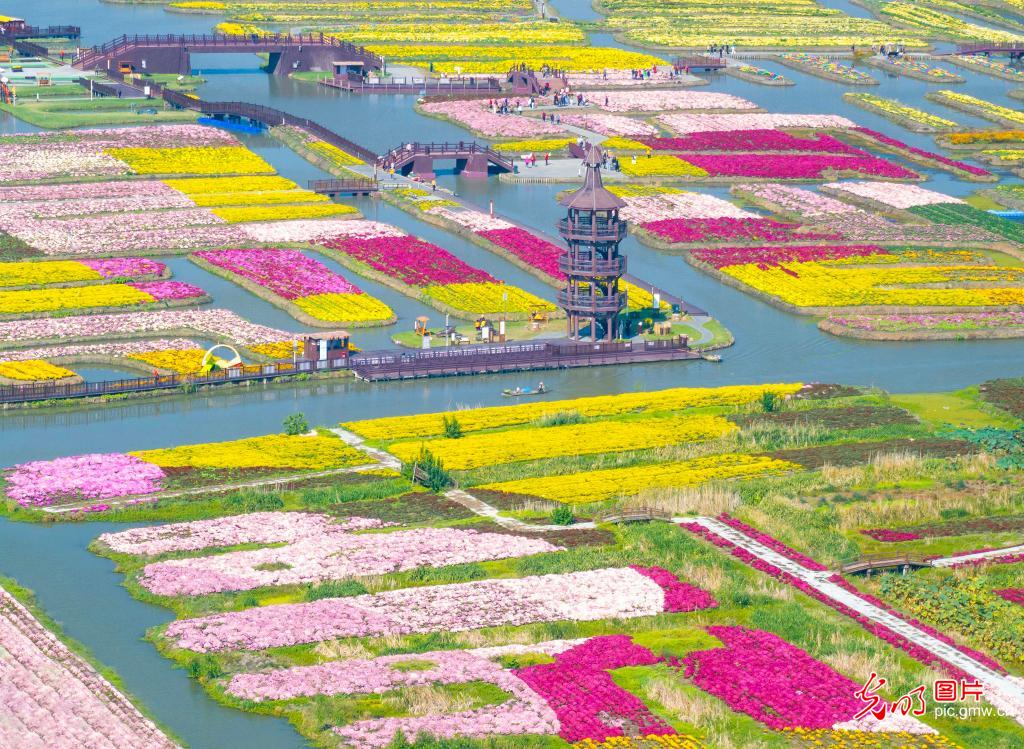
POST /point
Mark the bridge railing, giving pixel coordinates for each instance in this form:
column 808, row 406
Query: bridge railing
column 353, row 184
column 979, row 47
column 404, row 152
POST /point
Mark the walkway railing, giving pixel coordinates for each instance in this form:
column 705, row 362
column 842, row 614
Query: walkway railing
column 42, row 391
column 257, row 42
column 404, row 153
column 884, row 561
column 39, row 32
column 343, row 186
column 981, row 48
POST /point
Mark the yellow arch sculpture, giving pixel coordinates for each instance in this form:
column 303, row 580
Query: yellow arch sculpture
column 211, row 361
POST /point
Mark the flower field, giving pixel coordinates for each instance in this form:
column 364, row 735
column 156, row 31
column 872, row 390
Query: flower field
column 32, row 370
column 610, row 124
column 979, row 107
column 683, row 124
column 498, row 59
column 78, row 271
column 116, row 475
column 29, row 302
column 911, row 118
column 577, row 596
column 664, row 101
column 515, row 445
column 53, row 697
column 192, row 160
column 289, row 276
column 424, row 270
column 826, row 68
column 430, row 425
column 595, row 486
column 476, row 116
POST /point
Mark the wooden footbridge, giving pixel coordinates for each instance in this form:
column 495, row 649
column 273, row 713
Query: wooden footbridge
column 1015, row 50
column 170, row 53
column 472, row 159
column 882, row 562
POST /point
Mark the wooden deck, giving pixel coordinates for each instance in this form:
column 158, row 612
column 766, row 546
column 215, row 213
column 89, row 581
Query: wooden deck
column 633, row 515
column 513, row 357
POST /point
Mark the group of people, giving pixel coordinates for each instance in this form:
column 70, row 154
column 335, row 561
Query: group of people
column 640, row 74
column 721, row 49
column 530, row 159
column 891, row 50
column 506, row 107
column 555, row 117
column 566, row 99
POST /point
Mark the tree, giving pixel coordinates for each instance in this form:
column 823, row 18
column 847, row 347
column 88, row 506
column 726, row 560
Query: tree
column 769, row 401
column 562, row 516
column 295, row 424
column 452, row 428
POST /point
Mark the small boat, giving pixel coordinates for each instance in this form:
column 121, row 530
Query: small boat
column 711, row 357
column 509, row 393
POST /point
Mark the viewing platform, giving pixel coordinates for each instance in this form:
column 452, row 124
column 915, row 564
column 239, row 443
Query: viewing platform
column 357, row 84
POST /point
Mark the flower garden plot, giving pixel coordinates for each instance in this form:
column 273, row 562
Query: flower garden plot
column 937, row 25
column 961, row 213
column 664, row 101
column 598, row 485
column 926, row 158
column 683, row 124
column 913, row 68
column 851, row 453
column 492, row 448
column 212, row 160
column 1013, row 595
column 610, row 124
column 432, row 425
column 983, row 64
column 845, row 281
column 979, row 107
column 219, row 324
column 900, row 197
column 231, row 530
column 725, row 230
column 34, row 370
column 308, row 289
column 823, row 67
column 946, row 326
column 497, row 59
column 175, row 355
column 79, row 271
column 333, row 556
column 115, row 475
column 575, row 596
column 963, row 527
column 767, row 140
column 761, row 25
column 46, row 301
column 53, row 697
column 804, row 167
column 475, row 115
column 425, row 271
column 916, row 120
column 844, row 417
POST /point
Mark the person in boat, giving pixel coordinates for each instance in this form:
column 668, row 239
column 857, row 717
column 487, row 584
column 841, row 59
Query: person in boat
column 518, row 390
column 541, row 388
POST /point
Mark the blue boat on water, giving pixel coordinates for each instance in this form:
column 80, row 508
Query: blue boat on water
column 238, row 127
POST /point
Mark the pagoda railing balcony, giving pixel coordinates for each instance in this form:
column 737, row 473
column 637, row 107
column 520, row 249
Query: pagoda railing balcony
column 584, row 304
column 591, row 266
column 595, row 231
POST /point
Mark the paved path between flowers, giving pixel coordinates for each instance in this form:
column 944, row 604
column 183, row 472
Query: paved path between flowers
column 354, row 440
column 950, row 561
column 491, row 512
column 1008, row 693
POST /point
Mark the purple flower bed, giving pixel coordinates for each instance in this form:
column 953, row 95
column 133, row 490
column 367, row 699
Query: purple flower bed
column 679, row 596
column 125, row 267
column 751, row 140
column 881, row 138
column 288, row 273
column 531, row 249
column 772, row 543
column 589, row 705
column 776, row 683
column 884, row 534
column 814, row 166
column 167, row 290
column 688, row 230
column 410, row 260
column 1013, row 595
column 93, row 476
column 1005, row 559
column 766, row 257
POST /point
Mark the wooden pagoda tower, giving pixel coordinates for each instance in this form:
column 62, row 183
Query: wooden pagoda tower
column 592, row 264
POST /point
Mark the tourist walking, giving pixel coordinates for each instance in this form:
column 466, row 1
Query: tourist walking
column 547, row 159
column 433, row 185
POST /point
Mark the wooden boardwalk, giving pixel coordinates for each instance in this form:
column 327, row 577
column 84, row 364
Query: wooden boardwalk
column 871, row 562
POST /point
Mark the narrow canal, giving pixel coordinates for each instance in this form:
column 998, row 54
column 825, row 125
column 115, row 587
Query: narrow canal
column 83, row 592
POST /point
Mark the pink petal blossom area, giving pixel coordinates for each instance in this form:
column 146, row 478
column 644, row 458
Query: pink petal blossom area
column 476, row 221
column 700, row 123
column 776, row 683
column 126, row 267
column 386, row 673
column 232, row 530
column 286, row 272
column 713, row 230
column 579, row 596
column 772, row 543
column 804, row 166
column 890, row 536
column 1013, row 595
column 334, row 556
column 931, row 322
column 92, row 476
column 899, row 145
column 662, row 101
column 536, row 252
column 645, row 209
column 409, row 260
column 609, row 124
column 809, row 204
column 679, row 596
column 52, row 698
column 169, row 290
column 768, row 257
column 215, row 323
column 892, row 196
column 477, row 116
column 579, row 688
column 99, row 351
column 315, row 230
column 659, row 76
column 752, row 140
column 57, row 196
